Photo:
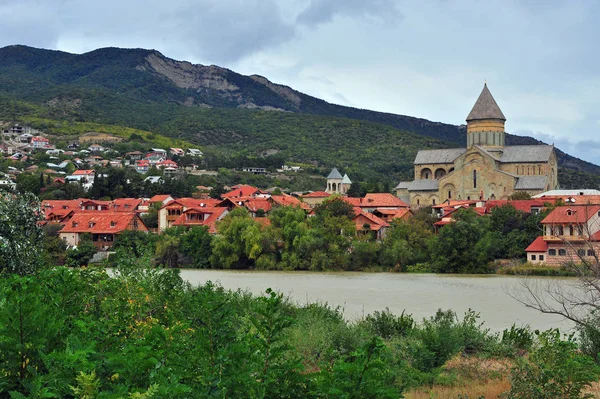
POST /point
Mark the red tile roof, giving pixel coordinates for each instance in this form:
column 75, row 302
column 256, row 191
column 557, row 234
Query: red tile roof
column 455, row 204
column 159, row 198
column 242, row 191
column 286, row 200
column 187, row 202
column 520, row 205
column 374, row 222
column 317, row 194
column 383, row 200
column 83, row 172
column 60, row 207
column 214, row 214
column 102, row 222
column 255, row 204
column 125, row 204
column 352, row 200
column 538, row 245
column 571, row 214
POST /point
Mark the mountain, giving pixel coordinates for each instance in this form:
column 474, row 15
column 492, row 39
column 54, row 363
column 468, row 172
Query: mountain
column 214, row 106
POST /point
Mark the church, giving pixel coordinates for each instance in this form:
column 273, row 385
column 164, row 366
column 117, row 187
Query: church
column 486, row 169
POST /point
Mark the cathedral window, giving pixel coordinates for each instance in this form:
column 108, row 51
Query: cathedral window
column 449, row 194
column 474, row 178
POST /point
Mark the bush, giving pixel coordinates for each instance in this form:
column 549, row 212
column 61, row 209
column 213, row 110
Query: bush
column 386, row 325
column 555, row 369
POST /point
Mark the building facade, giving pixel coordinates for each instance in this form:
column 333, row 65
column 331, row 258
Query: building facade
column 486, row 169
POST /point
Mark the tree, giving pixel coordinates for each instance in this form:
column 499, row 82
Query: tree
column 28, row 182
column 81, row 255
column 196, row 243
column 463, row 246
column 20, row 234
column 354, row 190
column 520, row 195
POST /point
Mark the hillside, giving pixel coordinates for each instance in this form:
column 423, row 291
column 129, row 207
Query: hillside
column 216, row 107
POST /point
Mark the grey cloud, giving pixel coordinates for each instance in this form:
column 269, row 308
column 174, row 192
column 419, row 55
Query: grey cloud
column 218, row 31
column 323, row 11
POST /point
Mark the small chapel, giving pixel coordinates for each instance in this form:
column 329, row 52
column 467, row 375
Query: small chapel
column 486, row 169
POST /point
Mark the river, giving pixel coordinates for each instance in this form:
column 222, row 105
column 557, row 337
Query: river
column 359, row 294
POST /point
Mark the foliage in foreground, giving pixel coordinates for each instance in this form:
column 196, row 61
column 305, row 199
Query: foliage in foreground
column 81, row 333
column 145, row 333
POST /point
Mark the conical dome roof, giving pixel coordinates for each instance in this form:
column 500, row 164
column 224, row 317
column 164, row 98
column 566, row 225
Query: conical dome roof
column 346, row 179
column 485, row 107
column 335, row 174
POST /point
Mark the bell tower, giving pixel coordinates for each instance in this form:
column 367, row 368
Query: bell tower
column 485, row 123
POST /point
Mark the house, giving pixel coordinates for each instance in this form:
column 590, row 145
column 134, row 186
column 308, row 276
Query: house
column 25, row 138
column 38, row 142
column 134, row 155
column 160, row 198
column 177, row 151
column 315, row 198
column 153, row 158
column 571, row 233
column 194, row 152
column 287, row 200
column 159, row 151
column 388, row 215
column 56, row 210
column 170, row 211
column 368, row 223
column 256, row 171
column 167, row 163
column 104, row 227
column 203, row 216
column 85, row 177
column 94, row 205
column 154, row 179
column 170, row 171
column 17, row 130
column 96, row 148
column 486, row 168
column 142, row 165
column 126, row 205
column 258, row 207
column 373, row 201
column 243, row 191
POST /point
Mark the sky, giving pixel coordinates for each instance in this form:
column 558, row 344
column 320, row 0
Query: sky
column 423, row 58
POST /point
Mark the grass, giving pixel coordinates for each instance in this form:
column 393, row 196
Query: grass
column 528, row 269
column 468, row 377
column 491, row 389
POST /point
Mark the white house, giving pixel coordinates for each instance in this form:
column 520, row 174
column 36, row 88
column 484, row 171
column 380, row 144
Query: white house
column 194, row 152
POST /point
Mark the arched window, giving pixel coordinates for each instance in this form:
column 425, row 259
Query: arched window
column 474, row 178
column 552, row 252
column 433, row 201
column 449, row 194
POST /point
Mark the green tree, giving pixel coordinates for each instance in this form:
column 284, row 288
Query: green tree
column 82, row 253
column 28, row 183
column 240, row 242
column 21, row 251
column 196, row 244
column 463, row 246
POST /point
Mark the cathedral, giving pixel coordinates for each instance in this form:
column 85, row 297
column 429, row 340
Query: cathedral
column 486, row 169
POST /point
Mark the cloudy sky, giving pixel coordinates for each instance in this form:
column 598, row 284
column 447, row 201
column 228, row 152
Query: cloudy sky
column 425, row 58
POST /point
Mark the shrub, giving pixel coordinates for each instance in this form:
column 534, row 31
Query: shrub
column 387, row 325
column 555, row 369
